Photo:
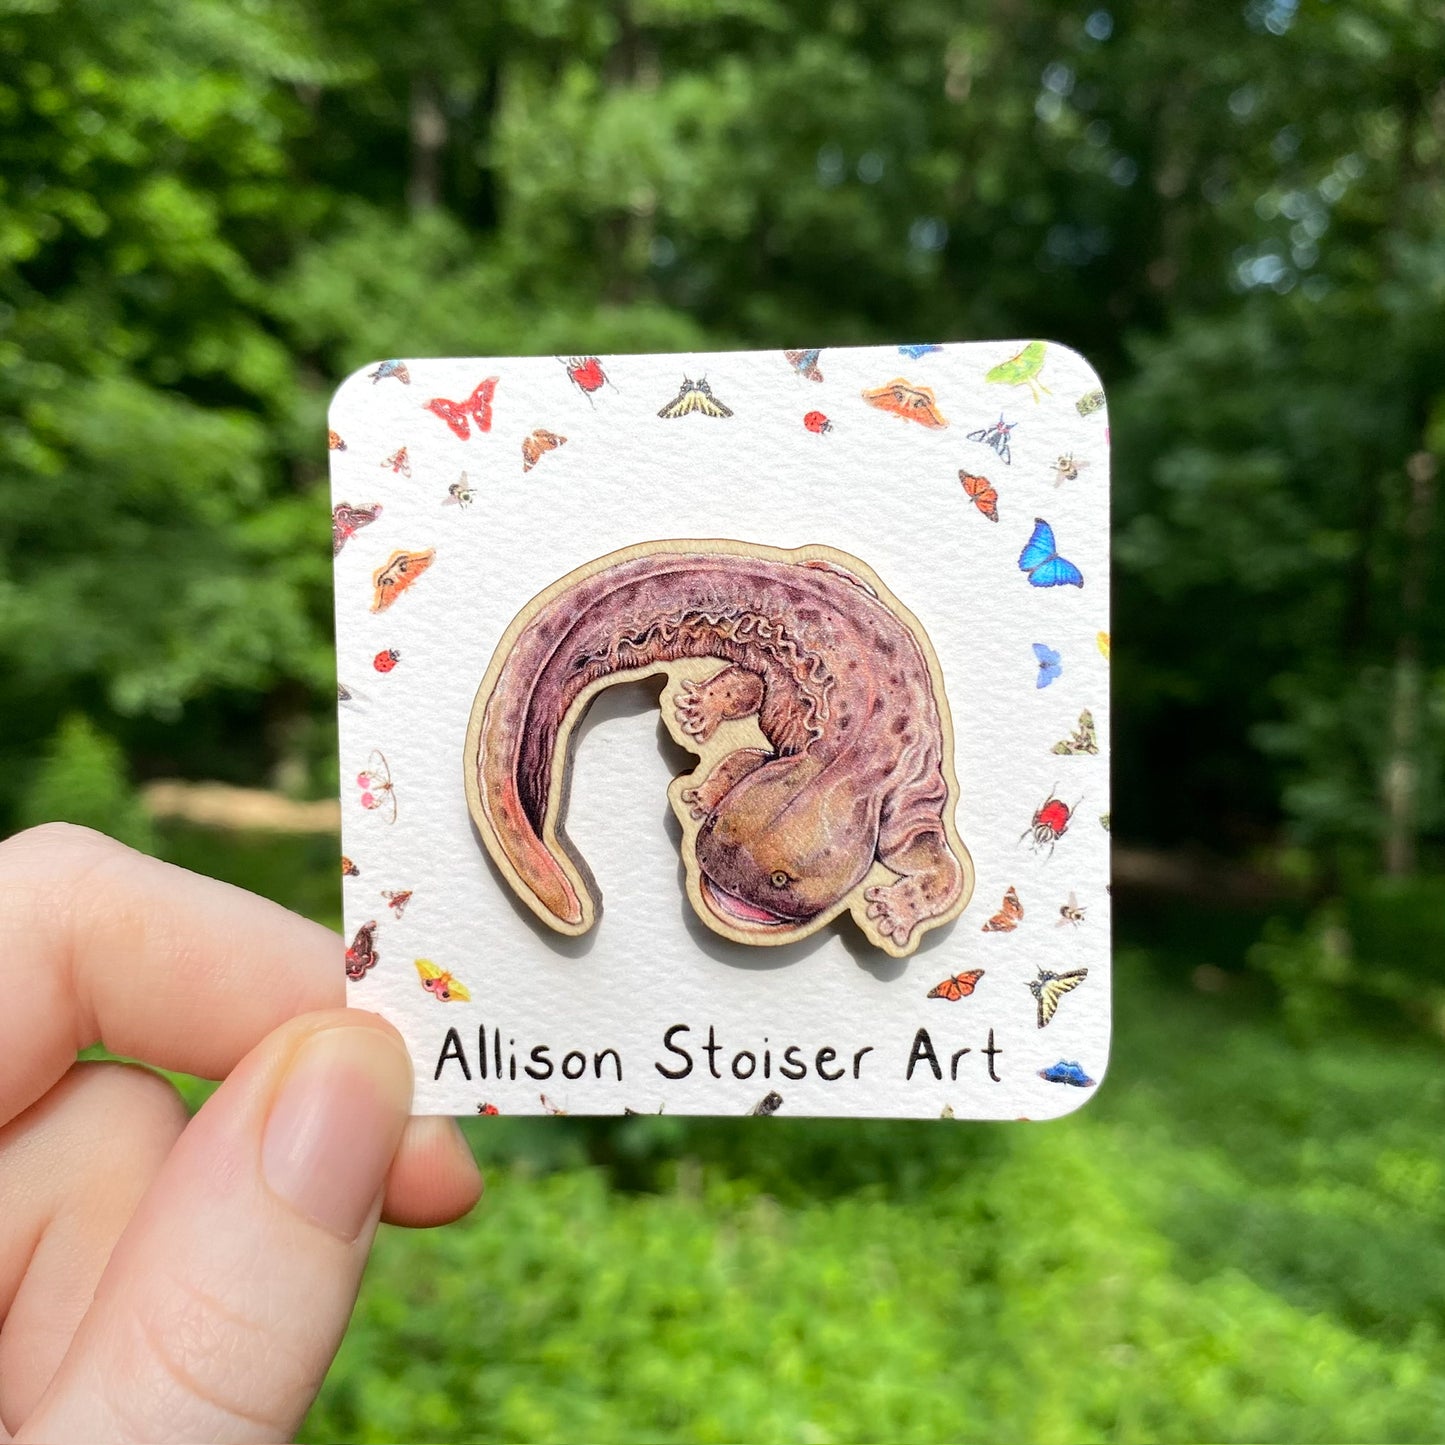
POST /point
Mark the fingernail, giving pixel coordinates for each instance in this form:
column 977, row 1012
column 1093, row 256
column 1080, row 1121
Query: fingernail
column 335, row 1125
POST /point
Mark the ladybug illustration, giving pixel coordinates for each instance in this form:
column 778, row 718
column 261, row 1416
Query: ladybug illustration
column 1051, row 822
column 490, row 1110
column 386, row 659
column 815, row 421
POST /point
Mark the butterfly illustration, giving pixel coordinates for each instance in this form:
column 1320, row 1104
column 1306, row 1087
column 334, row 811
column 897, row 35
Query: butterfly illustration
column 1067, row 469
column 638, row 1113
column 334, row 442
column 344, row 693
column 1008, row 916
column 397, row 900
column 398, row 461
column 918, row 350
column 490, row 1110
column 1040, row 559
column 361, row 956
column 980, row 491
column 815, row 421
column 348, row 868
column 1103, row 643
column 1090, row 402
column 1050, row 664
column 946, row 1112
column 377, row 792
column 912, row 403
column 1070, row 912
column 347, row 520
column 586, row 374
column 396, row 574
column 550, row 1107
column 1049, row 987
column 1084, row 739
column 391, row 368
column 535, row 445
column 997, row 437
column 770, row 1103
column 459, row 415
column 460, row 494
column 440, row 984
column 805, row 363
column 1065, row 1072
column 694, row 396
column 961, row 985
column 1051, row 822
column 1104, row 822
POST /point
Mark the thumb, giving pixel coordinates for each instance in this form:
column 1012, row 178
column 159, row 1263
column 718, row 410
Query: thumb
column 228, row 1294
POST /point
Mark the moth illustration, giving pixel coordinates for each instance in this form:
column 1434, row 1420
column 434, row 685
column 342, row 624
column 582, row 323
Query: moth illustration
column 550, row 1106
column 397, row 899
column 1050, row 664
column 1090, row 402
column 399, row 462
column 1049, row 987
column 361, row 955
column 1084, row 738
column 770, row 1103
column 440, row 984
column 996, row 436
column 805, row 363
column 961, row 985
column 459, row 415
column 912, row 403
column 398, row 573
column 377, row 792
column 1023, row 370
column 1009, row 915
column 347, row 520
column 694, row 397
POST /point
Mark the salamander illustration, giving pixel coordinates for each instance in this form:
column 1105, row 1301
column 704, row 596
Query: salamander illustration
column 848, row 805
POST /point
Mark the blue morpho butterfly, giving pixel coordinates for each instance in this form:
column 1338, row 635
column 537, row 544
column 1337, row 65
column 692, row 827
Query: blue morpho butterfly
column 1066, row 1072
column 1050, row 664
column 915, row 351
column 1041, row 560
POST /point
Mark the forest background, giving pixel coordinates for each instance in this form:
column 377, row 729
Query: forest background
column 211, row 211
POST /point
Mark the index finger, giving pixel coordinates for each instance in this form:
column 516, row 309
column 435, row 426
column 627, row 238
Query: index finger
column 101, row 944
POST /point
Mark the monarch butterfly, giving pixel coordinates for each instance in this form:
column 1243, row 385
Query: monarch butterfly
column 1040, row 559
column 397, row 900
column 770, row 1103
column 477, row 407
column 981, row 493
column 1009, row 915
column 347, row 520
column 805, row 363
column 1049, row 987
column 1084, row 738
column 912, row 403
column 961, row 985
column 535, row 445
column 440, row 984
column 361, row 956
column 997, row 437
column 375, row 783
column 396, row 574
column 694, row 396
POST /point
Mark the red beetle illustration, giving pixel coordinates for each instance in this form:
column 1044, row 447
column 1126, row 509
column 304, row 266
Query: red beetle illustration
column 815, row 421
column 386, row 659
column 1051, row 822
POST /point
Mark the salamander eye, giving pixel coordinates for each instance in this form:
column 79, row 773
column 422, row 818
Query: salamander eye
column 778, row 879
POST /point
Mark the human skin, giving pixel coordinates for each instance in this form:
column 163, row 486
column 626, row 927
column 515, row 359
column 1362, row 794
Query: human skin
column 171, row 1279
column 778, row 841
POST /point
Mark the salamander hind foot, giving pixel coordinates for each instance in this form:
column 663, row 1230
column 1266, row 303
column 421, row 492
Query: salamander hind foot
column 704, row 798
column 930, row 891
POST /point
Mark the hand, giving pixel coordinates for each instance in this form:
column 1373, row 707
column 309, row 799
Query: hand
column 164, row 1280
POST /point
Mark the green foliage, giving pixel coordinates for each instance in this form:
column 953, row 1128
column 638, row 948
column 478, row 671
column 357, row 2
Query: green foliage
column 1238, row 1240
column 82, row 779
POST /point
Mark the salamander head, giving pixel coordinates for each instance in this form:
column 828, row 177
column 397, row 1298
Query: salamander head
column 776, row 852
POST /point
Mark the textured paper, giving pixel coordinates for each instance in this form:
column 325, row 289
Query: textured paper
column 800, row 461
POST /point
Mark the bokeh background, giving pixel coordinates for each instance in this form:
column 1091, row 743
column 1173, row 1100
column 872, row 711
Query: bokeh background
column 211, row 210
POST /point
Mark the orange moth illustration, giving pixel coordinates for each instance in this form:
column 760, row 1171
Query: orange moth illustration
column 813, row 700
